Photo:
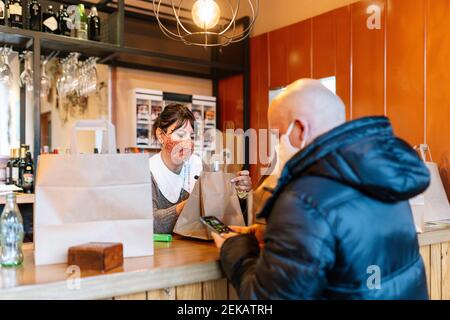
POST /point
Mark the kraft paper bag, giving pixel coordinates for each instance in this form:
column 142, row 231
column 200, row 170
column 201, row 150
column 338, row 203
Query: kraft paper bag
column 92, row 198
column 213, row 195
column 433, row 204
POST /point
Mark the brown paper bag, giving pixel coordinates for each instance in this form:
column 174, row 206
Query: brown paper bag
column 432, row 205
column 213, row 195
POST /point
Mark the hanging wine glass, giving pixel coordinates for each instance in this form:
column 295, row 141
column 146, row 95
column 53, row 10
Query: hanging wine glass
column 26, row 77
column 5, row 70
column 45, row 81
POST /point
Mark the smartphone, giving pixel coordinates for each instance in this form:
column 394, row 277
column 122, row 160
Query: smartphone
column 215, row 225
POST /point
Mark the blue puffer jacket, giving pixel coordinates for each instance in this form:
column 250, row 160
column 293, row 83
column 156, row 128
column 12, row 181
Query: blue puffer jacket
column 339, row 223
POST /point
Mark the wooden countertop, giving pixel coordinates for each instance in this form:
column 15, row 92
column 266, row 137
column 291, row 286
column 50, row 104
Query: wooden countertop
column 437, row 233
column 181, row 262
column 184, row 261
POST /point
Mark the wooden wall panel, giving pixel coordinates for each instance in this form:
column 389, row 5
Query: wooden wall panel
column 343, row 79
column 438, row 78
column 278, row 42
column 231, row 102
column 446, row 271
column 215, row 290
column 162, row 294
column 189, row 292
column 299, row 51
column 368, row 62
column 259, row 90
column 324, row 45
column 436, row 272
column 405, row 68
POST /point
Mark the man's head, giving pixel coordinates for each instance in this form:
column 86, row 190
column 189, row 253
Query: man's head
column 308, row 109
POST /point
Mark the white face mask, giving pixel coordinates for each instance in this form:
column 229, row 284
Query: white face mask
column 285, row 150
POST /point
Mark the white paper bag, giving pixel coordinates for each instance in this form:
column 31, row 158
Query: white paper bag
column 84, row 198
column 433, row 204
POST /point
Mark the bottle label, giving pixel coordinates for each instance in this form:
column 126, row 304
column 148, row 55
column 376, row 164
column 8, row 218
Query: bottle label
column 27, row 180
column 16, row 9
column 15, row 174
column 35, row 9
column 2, row 10
column 8, row 174
column 51, row 23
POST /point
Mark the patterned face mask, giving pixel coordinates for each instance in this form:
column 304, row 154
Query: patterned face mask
column 179, row 150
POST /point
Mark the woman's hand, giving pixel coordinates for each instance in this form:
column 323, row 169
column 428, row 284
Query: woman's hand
column 180, row 207
column 243, row 181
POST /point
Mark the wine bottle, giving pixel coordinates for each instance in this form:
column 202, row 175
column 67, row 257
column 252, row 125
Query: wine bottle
column 49, row 21
column 28, row 174
column 21, row 165
column 63, row 19
column 15, row 167
column 9, row 167
column 2, row 12
column 15, row 13
column 35, row 16
column 94, row 25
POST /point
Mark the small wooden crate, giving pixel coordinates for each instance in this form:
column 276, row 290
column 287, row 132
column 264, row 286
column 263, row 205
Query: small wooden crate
column 100, row 256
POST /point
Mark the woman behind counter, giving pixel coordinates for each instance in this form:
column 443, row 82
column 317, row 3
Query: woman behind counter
column 175, row 169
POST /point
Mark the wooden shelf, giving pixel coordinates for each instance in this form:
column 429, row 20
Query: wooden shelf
column 22, row 39
column 18, row 38
column 21, row 199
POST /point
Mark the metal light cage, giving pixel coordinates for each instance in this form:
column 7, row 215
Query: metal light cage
column 220, row 36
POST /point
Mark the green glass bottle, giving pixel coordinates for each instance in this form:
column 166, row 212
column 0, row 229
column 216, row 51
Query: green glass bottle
column 82, row 32
column 11, row 233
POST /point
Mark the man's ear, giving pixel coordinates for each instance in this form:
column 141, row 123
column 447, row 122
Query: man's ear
column 305, row 129
column 300, row 132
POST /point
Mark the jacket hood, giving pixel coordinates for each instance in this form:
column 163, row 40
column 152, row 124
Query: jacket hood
column 365, row 155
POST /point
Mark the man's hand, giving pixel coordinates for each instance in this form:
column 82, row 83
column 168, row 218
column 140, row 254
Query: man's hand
column 257, row 230
column 220, row 239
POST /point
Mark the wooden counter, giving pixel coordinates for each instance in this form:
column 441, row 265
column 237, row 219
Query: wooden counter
column 183, row 269
column 435, row 251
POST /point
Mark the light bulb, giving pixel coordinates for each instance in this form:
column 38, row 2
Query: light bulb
column 206, row 14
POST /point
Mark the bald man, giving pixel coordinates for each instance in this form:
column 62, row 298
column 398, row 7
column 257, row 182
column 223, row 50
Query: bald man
column 339, row 224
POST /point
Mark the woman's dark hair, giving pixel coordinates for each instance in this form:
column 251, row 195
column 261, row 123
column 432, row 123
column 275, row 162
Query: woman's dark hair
column 173, row 113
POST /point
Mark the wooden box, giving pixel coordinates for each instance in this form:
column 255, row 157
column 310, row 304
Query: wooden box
column 100, row 256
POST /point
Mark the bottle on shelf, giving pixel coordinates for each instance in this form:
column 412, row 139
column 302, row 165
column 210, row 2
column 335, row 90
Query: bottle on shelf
column 2, row 12
column 94, row 25
column 34, row 16
column 21, row 165
column 82, row 32
column 63, row 19
column 49, row 21
column 28, row 174
column 9, row 167
column 11, row 233
column 15, row 13
column 15, row 167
